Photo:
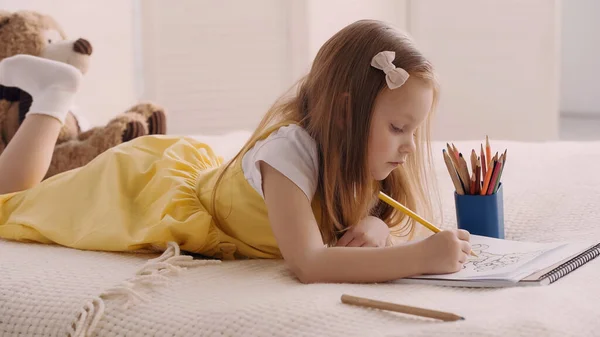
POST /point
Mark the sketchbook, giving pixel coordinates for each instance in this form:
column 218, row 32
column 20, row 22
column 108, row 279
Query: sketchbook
column 506, row 263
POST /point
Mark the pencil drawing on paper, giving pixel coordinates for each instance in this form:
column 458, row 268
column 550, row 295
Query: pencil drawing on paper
column 487, row 261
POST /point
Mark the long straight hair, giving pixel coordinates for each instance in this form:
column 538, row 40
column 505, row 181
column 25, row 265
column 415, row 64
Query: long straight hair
column 334, row 104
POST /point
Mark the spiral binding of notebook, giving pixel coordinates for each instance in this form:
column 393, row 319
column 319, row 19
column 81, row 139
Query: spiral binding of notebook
column 572, row 264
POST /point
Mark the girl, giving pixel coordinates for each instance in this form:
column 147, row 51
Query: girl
column 304, row 187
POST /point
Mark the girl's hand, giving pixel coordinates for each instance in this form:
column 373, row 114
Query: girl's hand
column 369, row 232
column 446, row 251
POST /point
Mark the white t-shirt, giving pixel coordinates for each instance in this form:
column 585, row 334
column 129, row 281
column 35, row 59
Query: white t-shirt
column 291, row 151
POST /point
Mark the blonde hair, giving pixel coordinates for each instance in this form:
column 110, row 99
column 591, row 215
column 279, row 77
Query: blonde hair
column 334, row 103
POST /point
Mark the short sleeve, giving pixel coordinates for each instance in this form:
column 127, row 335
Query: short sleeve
column 291, row 151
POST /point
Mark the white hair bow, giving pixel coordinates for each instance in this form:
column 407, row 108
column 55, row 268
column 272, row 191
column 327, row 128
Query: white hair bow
column 395, row 77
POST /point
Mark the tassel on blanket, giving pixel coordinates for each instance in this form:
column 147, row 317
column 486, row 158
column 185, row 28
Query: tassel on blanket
column 155, row 272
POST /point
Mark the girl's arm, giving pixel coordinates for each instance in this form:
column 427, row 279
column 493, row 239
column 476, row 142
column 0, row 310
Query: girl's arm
column 301, row 245
column 26, row 159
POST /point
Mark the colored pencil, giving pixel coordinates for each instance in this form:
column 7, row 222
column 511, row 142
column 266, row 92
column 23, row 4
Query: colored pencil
column 472, row 185
column 456, row 152
column 482, row 176
column 478, row 177
column 501, row 170
column 453, row 174
column 483, row 163
column 473, row 161
column 453, row 155
column 404, row 309
column 463, row 171
column 488, row 150
column 494, row 177
column 486, row 180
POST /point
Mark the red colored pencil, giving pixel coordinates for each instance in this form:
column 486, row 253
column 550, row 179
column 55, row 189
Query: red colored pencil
column 492, row 184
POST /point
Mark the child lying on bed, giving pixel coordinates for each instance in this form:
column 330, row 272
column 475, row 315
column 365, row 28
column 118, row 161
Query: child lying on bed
column 357, row 124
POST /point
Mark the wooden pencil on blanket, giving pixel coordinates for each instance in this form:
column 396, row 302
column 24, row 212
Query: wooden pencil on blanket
column 405, row 309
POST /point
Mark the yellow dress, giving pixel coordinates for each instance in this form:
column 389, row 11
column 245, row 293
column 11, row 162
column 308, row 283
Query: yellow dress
column 141, row 195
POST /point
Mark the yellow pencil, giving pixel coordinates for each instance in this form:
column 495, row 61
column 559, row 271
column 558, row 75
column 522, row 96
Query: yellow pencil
column 388, row 200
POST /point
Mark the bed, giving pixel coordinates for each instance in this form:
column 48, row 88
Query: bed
column 551, row 193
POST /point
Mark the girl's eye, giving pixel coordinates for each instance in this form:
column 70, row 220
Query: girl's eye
column 395, row 129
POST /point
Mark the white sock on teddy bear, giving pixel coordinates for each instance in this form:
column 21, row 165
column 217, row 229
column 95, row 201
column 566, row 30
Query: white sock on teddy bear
column 51, row 84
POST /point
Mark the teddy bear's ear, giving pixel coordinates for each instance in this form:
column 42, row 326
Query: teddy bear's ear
column 4, row 18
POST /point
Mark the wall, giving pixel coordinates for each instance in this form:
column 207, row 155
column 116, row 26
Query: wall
column 580, row 66
column 498, row 63
column 108, row 88
column 215, row 65
column 325, row 18
column 219, row 65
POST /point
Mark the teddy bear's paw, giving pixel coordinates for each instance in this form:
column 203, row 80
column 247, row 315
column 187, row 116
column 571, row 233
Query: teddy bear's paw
column 157, row 123
column 155, row 117
column 133, row 130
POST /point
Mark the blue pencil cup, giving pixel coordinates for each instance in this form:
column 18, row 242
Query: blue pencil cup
column 481, row 214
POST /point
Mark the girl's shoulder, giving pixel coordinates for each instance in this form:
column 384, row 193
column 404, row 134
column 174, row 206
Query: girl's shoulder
column 289, row 149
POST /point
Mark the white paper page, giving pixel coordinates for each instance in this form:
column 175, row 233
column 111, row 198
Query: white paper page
column 497, row 259
column 555, row 256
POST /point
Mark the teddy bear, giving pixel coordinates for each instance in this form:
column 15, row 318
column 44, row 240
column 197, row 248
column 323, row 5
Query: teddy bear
column 37, row 34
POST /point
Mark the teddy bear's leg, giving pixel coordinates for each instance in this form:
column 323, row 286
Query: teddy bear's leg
column 135, row 127
column 155, row 117
column 76, row 153
column 4, row 107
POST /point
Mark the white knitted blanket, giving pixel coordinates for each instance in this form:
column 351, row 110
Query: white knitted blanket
column 551, row 192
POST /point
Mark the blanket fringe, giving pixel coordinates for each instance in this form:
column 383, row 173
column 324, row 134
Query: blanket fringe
column 155, row 272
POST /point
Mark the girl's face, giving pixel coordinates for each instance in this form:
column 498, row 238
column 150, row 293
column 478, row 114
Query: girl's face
column 396, row 116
